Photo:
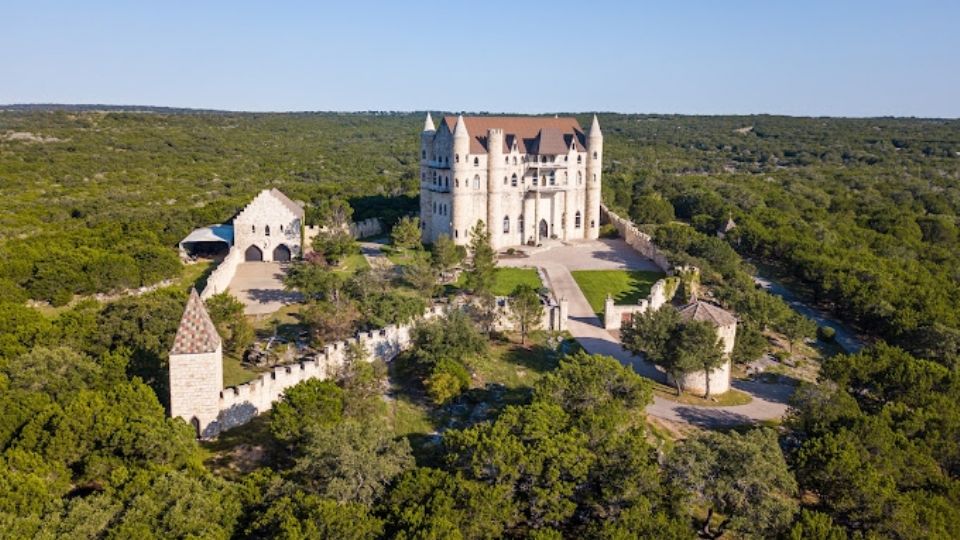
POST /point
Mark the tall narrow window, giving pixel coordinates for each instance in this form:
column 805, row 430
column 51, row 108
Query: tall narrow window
column 253, row 228
column 456, row 158
column 266, row 230
column 520, row 224
column 513, row 180
column 476, row 162
column 476, row 182
column 505, row 181
column 576, row 220
column 579, row 178
column 506, row 224
column 579, row 158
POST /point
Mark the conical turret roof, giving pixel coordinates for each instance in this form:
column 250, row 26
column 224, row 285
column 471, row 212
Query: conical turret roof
column 595, row 128
column 428, row 123
column 197, row 333
column 460, row 129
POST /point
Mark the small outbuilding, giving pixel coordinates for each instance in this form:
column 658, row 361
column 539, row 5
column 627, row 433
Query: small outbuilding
column 209, row 241
column 726, row 326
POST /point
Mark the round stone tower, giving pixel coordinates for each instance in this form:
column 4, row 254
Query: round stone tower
column 594, row 164
column 461, row 209
column 495, row 187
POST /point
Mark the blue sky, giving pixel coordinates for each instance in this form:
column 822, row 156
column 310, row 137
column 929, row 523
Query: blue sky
column 837, row 58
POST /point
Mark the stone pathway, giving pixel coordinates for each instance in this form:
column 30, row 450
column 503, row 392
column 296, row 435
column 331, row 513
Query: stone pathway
column 373, row 252
column 769, row 400
column 259, row 285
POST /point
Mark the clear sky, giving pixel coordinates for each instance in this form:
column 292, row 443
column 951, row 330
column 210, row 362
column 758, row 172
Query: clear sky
column 837, row 58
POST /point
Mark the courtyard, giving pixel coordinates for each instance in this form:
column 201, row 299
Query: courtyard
column 259, row 285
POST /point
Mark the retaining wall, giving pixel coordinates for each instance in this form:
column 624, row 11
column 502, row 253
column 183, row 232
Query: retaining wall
column 661, row 292
column 222, row 275
column 359, row 229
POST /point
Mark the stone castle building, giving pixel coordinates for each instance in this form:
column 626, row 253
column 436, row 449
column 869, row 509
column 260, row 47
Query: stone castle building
column 269, row 228
column 528, row 179
column 196, row 368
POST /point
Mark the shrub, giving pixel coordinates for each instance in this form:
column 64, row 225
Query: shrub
column 825, row 333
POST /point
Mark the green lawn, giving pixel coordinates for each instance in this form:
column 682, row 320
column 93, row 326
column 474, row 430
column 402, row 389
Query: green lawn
column 234, row 373
column 352, row 264
column 507, row 279
column 626, row 286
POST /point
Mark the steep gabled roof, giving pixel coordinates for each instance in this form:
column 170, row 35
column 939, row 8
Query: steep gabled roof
column 525, row 129
column 704, row 311
column 196, row 334
column 292, row 206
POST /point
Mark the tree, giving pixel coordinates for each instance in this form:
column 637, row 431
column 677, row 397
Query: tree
column 422, row 276
column 446, row 255
column 694, row 347
column 649, row 333
column 329, row 322
column 315, row 281
column 797, row 328
column 651, row 208
column 312, row 402
column 526, row 309
column 335, row 245
column 406, row 233
column 743, row 477
column 482, row 267
column 232, row 325
column 350, row 462
column 749, row 345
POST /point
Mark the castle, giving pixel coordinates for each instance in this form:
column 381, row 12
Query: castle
column 528, row 179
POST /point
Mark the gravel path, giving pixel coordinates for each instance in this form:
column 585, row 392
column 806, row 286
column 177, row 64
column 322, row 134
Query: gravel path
column 769, row 400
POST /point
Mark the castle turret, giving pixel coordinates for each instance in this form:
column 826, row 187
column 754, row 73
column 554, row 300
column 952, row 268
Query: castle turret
column 495, row 187
column 461, row 189
column 196, row 369
column 426, row 199
column 594, row 165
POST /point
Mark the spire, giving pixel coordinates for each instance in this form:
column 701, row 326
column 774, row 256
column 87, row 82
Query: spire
column 460, row 129
column 595, row 128
column 197, row 333
column 428, row 123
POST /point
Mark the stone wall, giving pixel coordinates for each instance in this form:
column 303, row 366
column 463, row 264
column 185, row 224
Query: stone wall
column 661, row 292
column 222, row 275
column 554, row 316
column 238, row 405
column 638, row 240
column 195, row 382
column 720, row 377
column 358, row 229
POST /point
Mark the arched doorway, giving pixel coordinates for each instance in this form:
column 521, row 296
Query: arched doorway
column 544, row 229
column 253, row 254
column 281, row 253
column 196, row 425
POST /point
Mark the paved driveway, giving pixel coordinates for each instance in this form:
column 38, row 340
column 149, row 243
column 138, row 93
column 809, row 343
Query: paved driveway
column 259, row 285
column 769, row 400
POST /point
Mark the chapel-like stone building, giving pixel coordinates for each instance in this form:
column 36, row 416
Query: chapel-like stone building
column 269, row 228
column 528, row 179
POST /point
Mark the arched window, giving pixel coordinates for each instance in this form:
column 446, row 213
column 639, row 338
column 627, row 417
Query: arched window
column 476, row 182
column 594, row 155
column 423, row 154
column 579, row 178
column 476, row 162
column 281, row 227
column 594, row 178
column 266, row 230
column 253, row 228
column 535, row 179
column 446, row 182
column 456, row 158
column 553, row 178
column 579, row 158
column 513, row 180
column 456, row 233
column 592, row 224
column 506, row 160
column 506, row 224
column 456, row 182
column 520, row 224
column 505, row 180
column 576, row 220
column 514, row 159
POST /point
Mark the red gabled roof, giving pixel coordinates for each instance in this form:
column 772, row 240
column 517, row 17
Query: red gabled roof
column 197, row 333
column 528, row 130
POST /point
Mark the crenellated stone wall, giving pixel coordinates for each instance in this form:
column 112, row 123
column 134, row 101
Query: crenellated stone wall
column 358, row 229
column 638, row 240
column 240, row 404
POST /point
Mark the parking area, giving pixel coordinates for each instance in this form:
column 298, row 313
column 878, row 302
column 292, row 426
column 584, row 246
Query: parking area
column 259, row 285
column 593, row 255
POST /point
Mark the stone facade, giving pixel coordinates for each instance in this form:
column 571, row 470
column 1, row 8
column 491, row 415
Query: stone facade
column 269, row 228
column 196, row 369
column 639, row 241
column 528, row 179
column 726, row 326
column 661, row 292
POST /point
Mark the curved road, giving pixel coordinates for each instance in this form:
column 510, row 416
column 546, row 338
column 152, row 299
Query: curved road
column 769, row 400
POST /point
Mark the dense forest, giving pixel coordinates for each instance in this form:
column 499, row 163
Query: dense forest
column 857, row 215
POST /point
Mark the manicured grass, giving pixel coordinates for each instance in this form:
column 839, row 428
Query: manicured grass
column 626, row 286
column 507, row 279
column 514, row 365
column 234, row 373
column 402, row 257
column 727, row 399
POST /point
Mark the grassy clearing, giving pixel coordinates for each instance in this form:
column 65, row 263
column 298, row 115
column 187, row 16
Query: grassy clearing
column 506, row 280
column 352, row 264
column 626, row 286
column 514, row 365
column 234, row 373
column 403, row 257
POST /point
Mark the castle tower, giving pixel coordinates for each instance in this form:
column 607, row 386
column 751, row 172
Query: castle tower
column 594, row 164
column 426, row 196
column 196, row 369
column 495, row 187
column 461, row 211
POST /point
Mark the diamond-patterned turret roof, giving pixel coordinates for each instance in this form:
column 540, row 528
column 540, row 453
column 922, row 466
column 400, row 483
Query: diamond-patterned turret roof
column 197, row 333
